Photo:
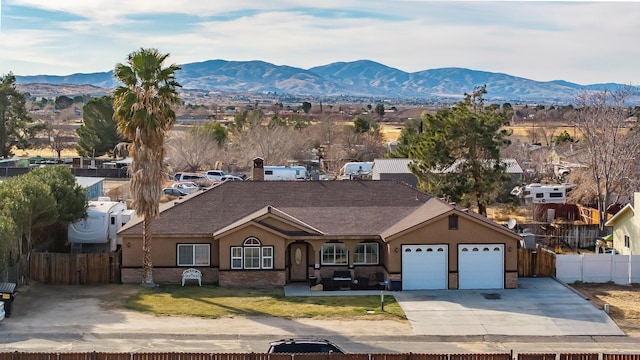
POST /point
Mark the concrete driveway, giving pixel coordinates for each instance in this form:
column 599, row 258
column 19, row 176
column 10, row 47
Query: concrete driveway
column 539, row 307
column 88, row 318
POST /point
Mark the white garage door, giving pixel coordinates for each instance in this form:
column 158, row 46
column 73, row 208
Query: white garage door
column 424, row 267
column 481, row 266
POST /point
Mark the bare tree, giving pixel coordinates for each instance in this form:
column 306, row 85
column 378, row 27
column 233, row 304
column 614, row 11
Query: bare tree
column 325, row 134
column 548, row 125
column 611, row 144
column 276, row 144
column 56, row 138
column 61, row 139
column 192, row 150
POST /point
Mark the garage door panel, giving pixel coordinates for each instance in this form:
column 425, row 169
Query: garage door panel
column 424, row 267
column 481, row 266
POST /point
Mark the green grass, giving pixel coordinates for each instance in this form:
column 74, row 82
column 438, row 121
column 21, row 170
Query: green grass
column 216, row 302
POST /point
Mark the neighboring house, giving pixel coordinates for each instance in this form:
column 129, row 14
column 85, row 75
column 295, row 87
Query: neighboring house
column 271, row 233
column 394, row 169
column 626, row 228
column 398, row 169
column 513, row 169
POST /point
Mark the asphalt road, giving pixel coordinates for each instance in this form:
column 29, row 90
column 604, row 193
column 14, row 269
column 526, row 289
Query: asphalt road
column 82, row 318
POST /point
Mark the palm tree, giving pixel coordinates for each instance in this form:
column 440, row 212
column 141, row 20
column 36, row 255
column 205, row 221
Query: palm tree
column 143, row 109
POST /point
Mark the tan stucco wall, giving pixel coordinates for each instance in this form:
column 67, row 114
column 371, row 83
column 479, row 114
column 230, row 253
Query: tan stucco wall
column 237, row 238
column 163, row 250
column 279, row 224
column 469, row 232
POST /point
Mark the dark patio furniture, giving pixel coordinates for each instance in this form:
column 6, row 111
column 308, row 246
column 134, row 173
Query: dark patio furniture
column 342, row 279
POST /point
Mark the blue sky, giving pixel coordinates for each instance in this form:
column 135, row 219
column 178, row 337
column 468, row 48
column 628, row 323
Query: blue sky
column 581, row 42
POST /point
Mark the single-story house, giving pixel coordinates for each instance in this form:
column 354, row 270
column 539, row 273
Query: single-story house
column 271, row 233
column 398, row 169
column 626, row 228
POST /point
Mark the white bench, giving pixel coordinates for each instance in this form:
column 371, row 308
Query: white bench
column 192, row 274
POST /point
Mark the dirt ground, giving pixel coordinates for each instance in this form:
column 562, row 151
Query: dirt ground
column 623, row 300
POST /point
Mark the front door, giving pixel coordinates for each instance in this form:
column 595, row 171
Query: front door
column 298, row 262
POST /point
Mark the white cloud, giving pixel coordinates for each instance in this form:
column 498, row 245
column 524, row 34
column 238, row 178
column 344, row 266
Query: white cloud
column 580, row 42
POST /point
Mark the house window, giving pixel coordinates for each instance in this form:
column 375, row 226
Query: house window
column 194, row 254
column 236, row 257
column 366, row 253
column 453, row 222
column 267, row 257
column 626, row 241
column 252, row 255
column 334, row 254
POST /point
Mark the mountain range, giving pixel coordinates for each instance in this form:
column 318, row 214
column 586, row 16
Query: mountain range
column 362, row 78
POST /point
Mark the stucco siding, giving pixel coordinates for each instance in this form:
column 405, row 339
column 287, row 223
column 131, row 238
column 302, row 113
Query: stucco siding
column 163, row 250
column 266, row 238
column 279, row 224
column 468, row 232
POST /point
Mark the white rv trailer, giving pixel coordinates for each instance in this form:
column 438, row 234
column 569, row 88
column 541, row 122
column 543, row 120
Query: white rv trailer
column 297, row 172
column 544, row 194
column 104, row 219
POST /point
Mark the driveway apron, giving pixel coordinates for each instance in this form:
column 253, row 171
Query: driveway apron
column 538, row 307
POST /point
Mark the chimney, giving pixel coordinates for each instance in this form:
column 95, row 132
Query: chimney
column 258, row 169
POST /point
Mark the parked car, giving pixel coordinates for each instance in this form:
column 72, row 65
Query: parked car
column 304, row 345
column 188, row 177
column 215, row 175
column 231, row 178
column 186, row 187
column 173, row 192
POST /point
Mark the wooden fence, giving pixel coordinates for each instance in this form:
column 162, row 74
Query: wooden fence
column 75, row 269
column 536, row 262
column 324, row 356
column 552, row 235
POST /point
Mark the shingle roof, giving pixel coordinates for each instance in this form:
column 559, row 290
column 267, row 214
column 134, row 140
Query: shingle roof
column 333, row 207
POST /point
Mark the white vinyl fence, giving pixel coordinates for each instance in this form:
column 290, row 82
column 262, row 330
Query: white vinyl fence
column 598, row 268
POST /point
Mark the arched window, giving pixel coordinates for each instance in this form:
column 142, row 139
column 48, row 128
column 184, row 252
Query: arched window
column 252, row 255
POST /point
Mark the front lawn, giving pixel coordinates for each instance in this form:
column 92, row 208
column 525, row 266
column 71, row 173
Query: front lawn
column 216, row 302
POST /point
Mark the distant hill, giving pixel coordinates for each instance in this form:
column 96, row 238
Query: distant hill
column 362, row 78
